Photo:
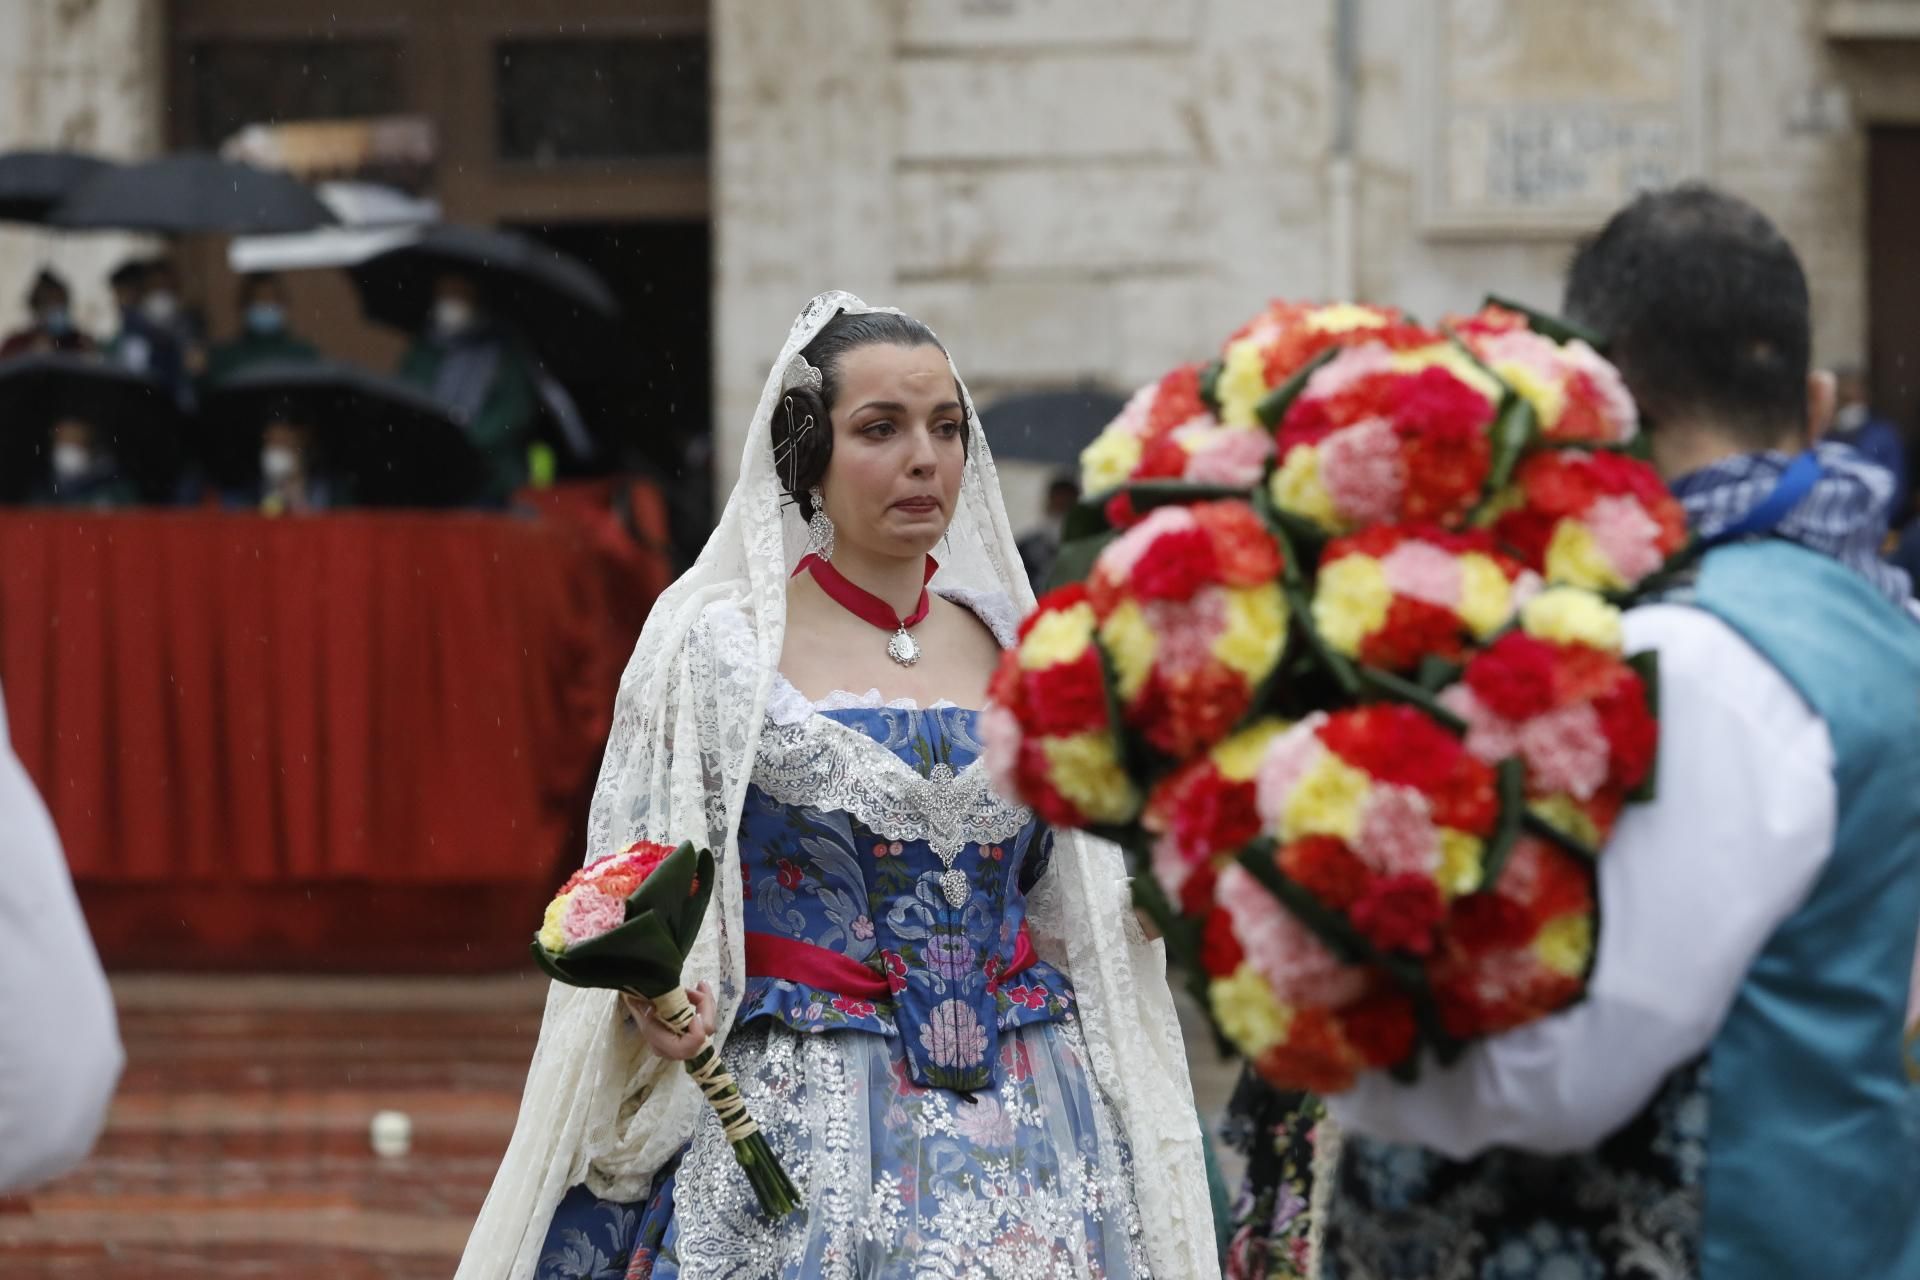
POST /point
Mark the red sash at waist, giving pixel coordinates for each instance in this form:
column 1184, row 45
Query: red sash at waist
column 771, row 956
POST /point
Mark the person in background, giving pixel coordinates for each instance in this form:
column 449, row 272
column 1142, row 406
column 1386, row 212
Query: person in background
column 166, row 310
column 483, row 376
column 1730, row 1098
column 1877, row 438
column 290, row 479
column 1041, row 547
column 80, row 471
column 50, row 303
column 264, row 332
column 60, row 1052
column 142, row 344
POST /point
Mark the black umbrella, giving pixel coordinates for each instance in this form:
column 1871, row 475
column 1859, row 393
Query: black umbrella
column 33, row 182
column 134, row 416
column 1050, row 427
column 393, row 443
column 188, row 193
column 559, row 305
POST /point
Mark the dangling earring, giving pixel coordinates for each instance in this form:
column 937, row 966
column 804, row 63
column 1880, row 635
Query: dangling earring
column 819, row 528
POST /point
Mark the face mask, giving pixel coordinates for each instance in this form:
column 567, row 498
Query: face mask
column 452, row 317
column 161, row 306
column 278, row 463
column 57, row 321
column 266, row 317
column 1850, row 417
column 71, row 461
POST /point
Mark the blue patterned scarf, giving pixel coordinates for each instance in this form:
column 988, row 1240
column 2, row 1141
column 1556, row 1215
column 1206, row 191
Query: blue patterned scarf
column 1845, row 516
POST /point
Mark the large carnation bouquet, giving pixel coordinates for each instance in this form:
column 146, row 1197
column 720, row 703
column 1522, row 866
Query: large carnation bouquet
column 1335, row 650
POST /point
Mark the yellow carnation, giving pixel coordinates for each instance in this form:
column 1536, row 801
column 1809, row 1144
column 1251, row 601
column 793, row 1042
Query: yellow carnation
column 1560, row 810
column 1445, row 355
column 1350, row 602
column 1242, row 384
column 1548, row 398
column 1058, row 636
column 1568, row 615
column 1109, row 461
column 1461, row 862
column 1239, row 757
column 1326, row 801
column 1565, row 944
column 1345, row 317
column 1132, row 644
column 1486, row 597
column 552, row 937
column 1245, row 1007
column 1296, row 487
column 1085, row 769
column 1256, row 631
column 1574, row 558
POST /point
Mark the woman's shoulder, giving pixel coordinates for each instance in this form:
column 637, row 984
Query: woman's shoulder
column 995, row 609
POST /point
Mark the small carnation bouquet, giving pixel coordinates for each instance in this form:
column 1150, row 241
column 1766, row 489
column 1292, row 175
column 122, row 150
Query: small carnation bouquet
column 626, row 923
column 1357, row 704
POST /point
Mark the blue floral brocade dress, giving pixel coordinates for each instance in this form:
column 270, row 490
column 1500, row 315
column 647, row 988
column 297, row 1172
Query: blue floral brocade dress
column 918, row 1070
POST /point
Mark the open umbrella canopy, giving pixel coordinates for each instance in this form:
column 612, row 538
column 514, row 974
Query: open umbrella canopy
column 392, row 442
column 189, row 193
column 133, row 416
column 33, row 182
column 1050, row 427
column 559, row 305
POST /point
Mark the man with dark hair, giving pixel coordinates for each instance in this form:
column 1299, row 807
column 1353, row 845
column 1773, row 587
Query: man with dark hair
column 1730, row 1099
column 265, row 333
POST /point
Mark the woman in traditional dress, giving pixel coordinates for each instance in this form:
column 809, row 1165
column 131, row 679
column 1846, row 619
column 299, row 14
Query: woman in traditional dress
column 941, row 1012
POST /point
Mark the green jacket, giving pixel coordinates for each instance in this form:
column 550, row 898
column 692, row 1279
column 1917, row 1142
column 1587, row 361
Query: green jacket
column 253, row 348
column 502, row 429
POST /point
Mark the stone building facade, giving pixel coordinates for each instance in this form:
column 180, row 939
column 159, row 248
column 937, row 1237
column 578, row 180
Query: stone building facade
column 1097, row 189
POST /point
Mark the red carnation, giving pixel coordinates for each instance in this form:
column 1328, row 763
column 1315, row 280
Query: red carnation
column 1244, row 551
column 1400, row 913
column 1514, row 676
column 1314, row 1057
column 1482, row 922
column 1555, row 483
column 1174, row 566
column 1435, row 402
column 1037, row 789
column 1186, row 714
column 1161, row 459
column 1381, row 1027
column 1445, row 471
column 1212, row 815
column 1220, row 952
column 1414, row 630
column 1066, row 698
column 1325, row 868
column 1059, row 600
column 1003, row 687
column 1196, row 891
column 1176, row 400
column 1395, row 744
column 1119, row 511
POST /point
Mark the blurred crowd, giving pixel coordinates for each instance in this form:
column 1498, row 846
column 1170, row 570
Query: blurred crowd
column 92, row 426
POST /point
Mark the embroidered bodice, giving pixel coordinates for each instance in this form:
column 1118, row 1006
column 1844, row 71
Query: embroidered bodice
column 871, row 832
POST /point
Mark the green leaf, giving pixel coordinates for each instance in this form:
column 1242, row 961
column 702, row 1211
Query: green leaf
column 1391, row 688
column 1210, row 385
column 1534, row 824
column 1088, row 519
column 640, row 955
column 1273, row 407
column 1513, row 430
column 1074, row 563
column 1510, row 777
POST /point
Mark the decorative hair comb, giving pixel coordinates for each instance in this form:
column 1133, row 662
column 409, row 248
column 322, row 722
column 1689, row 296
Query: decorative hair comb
column 799, row 373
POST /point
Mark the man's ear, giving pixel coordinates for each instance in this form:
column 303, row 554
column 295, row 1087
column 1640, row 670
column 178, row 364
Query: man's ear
column 1820, row 401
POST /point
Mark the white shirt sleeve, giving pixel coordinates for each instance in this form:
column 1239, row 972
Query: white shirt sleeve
column 60, row 1054
column 1691, row 887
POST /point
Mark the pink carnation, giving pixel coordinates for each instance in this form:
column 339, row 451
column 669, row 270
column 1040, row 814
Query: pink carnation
column 1137, row 412
column 1352, row 365
column 1286, row 761
column 1363, row 471
column 1626, row 535
column 1187, row 629
column 1000, row 735
column 1606, row 385
column 1295, row 963
column 1117, row 561
column 1490, row 737
column 1396, row 832
column 590, row 913
column 1566, row 750
column 1231, row 457
column 1422, row 571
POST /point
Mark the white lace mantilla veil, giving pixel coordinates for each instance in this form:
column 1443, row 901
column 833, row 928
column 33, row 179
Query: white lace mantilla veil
column 599, row 1107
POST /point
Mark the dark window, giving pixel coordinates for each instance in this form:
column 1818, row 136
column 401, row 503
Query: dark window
column 631, row 99
column 241, row 82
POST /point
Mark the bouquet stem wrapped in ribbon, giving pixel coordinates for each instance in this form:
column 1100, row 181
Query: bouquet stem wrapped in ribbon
column 626, row 923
